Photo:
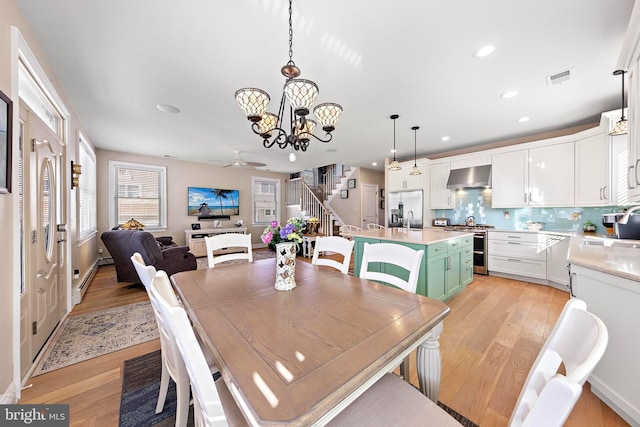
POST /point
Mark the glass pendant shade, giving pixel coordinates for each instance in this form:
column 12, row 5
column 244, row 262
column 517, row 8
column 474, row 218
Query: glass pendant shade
column 394, row 166
column 621, row 128
column 301, row 94
column 267, row 124
column 253, row 102
column 415, row 170
column 328, row 114
column 304, row 131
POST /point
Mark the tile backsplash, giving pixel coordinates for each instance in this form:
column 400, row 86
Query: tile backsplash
column 477, row 203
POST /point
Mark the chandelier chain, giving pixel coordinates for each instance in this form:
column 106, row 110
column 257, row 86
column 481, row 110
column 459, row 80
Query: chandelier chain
column 291, row 32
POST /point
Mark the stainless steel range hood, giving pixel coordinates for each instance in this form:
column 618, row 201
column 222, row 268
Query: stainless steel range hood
column 472, row 177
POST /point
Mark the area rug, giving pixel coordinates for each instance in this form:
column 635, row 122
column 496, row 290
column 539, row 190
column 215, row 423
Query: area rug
column 91, row 335
column 257, row 255
column 141, row 385
column 140, row 388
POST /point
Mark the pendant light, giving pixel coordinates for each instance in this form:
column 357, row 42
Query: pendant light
column 394, row 165
column 621, row 127
column 415, row 170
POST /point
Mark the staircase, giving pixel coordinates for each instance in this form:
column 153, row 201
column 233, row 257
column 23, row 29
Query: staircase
column 314, row 201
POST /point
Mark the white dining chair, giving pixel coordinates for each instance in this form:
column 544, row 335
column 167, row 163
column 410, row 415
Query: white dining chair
column 228, row 240
column 391, row 253
column 213, row 403
column 577, row 341
column 347, row 231
column 373, row 226
column 336, row 244
column 170, row 366
column 398, row 255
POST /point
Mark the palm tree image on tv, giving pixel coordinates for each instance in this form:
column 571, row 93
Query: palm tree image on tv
column 212, row 202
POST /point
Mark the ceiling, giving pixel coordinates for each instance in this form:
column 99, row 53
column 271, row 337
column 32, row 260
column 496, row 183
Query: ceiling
column 117, row 60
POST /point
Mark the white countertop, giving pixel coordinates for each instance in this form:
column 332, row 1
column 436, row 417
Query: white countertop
column 612, row 256
column 420, row 236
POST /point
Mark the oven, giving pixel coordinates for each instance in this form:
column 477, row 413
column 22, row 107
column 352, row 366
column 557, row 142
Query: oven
column 480, row 242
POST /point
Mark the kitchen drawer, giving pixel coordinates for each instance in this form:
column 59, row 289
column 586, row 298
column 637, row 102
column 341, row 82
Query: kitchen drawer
column 518, row 266
column 437, row 249
column 514, row 236
column 516, row 249
column 456, row 244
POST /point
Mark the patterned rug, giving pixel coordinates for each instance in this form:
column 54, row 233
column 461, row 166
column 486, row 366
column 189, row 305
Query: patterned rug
column 141, row 385
column 257, row 255
column 91, row 335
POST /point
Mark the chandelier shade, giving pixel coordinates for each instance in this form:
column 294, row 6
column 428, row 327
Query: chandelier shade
column 253, row 102
column 300, row 94
column 327, row 114
column 267, row 124
column 621, row 127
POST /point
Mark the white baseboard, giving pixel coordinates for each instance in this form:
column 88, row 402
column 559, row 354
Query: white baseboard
column 78, row 292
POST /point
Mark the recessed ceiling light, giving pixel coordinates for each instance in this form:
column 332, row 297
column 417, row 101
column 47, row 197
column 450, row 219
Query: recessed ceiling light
column 523, row 119
column 374, row 164
column 484, row 51
column 509, row 94
column 445, row 138
column 168, row 108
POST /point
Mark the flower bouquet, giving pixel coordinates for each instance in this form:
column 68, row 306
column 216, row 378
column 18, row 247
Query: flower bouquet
column 312, row 225
column 290, row 232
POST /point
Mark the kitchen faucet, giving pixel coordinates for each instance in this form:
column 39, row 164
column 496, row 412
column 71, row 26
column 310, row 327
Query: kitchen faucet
column 409, row 216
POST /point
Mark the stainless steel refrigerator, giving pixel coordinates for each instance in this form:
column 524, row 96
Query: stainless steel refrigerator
column 405, row 205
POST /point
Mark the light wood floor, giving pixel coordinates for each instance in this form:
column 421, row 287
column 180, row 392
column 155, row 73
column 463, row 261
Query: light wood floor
column 491, row 338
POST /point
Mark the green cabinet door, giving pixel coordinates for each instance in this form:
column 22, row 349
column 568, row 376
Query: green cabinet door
column 454, row 284
column 436, row 277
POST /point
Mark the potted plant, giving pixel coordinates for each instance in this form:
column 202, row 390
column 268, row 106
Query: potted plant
column 589, row 226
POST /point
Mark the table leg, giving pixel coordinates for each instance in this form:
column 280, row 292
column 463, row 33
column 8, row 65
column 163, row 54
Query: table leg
column 429, row 365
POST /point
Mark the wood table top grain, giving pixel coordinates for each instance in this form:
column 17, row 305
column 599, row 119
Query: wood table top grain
column 291, row 357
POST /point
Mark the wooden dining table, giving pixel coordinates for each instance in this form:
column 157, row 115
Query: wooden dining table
column 299, row 357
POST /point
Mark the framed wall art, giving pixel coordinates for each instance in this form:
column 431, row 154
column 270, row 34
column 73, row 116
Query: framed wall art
column 344, row 194
column 6, row 120
column 351, row 183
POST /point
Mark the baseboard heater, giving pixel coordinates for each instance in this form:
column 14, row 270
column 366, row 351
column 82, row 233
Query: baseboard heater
column 78, row 292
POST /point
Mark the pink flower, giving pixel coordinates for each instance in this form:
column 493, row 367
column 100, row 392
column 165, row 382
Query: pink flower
column 267, row 237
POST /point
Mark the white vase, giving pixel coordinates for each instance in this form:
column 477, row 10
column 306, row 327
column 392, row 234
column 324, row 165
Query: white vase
column 285, row 266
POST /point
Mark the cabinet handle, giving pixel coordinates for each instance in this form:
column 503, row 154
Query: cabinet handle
column 514, row 243
column 601, row 192
column 637, row 181
column 571, row 284
column 448, row 263
column 605, row 194
column 525, row 197
column 514, row 237
column 629, row 183
column 514, row 259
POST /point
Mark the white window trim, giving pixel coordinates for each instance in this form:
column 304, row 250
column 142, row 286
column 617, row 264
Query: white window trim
column 83, row 144
column 255, row 179
column 113, row 165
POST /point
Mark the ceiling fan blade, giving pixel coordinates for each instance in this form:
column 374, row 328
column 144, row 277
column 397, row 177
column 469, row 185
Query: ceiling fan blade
column 255, row 164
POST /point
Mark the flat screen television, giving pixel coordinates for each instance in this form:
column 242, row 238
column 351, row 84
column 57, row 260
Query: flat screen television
column 212, row 202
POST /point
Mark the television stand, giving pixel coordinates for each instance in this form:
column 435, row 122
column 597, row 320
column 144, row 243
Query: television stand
column 197, row 245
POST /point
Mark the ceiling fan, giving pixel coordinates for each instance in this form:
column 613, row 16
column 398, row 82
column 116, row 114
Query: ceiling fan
column 239, row 163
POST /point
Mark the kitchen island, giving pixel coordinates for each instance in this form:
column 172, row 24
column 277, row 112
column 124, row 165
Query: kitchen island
column 445, row 269
column 605, row 273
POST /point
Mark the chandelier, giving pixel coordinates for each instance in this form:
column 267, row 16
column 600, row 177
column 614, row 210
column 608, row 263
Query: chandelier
column 300, row 95
column 621, row 127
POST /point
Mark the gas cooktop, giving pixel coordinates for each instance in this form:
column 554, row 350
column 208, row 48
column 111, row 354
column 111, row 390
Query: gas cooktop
column 468, row 227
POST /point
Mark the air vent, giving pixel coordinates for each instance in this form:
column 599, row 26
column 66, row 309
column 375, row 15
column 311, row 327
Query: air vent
column 559, row 78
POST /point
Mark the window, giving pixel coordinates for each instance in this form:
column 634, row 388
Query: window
column 137, row 191
column 266, row 197
column 87, row 191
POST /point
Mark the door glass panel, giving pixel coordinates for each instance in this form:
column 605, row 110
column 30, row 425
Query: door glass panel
column 46, row 212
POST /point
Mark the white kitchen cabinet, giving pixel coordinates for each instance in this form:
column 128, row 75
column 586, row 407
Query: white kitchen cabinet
column 400, row 180
column 592, row 159
column 441, row 196
column 517, row 254
column 557, row 250
column 615, row 300
column 540, row 176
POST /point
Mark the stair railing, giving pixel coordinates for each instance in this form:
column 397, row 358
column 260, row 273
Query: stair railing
column 299, row 193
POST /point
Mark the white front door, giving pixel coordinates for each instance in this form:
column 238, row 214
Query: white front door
column 44, row 291
column 369, row 204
